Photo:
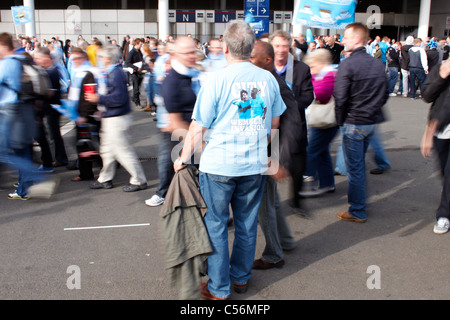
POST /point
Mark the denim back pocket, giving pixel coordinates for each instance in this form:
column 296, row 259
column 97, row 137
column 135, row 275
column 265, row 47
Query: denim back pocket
column 358, row 132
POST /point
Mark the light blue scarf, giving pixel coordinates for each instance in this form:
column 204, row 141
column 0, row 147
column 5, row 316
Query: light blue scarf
column 69, row 107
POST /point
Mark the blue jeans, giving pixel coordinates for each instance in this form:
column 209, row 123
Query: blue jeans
column 419, row 74
column 340, row 161
column 379, row 154
column 22, row 160
column 165, row 164
column 21, row 157
column 244, row 194
column 318, row 159
column 393, row 77
column 149, row 88
column 378, row 151
column 355, row 142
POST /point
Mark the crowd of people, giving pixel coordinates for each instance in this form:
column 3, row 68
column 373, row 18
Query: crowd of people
column 225, row 98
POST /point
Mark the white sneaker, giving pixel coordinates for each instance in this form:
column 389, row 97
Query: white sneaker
column 441, row 226
column 44, row 189
column 392, row 94
column 15, row 196
column 154, row 201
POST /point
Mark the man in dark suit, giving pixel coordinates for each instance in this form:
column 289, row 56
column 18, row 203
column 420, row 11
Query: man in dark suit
column 133, row 57
column 49, row 116
column 291, row 143
column 298, row 77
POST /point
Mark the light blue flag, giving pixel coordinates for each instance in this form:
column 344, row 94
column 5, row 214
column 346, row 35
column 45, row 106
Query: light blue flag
column 22, row 15
column 309, row 36
column 325, row 14
column 67, row 108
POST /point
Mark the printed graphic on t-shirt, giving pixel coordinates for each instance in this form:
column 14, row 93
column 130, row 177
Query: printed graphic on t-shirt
column 251, row 109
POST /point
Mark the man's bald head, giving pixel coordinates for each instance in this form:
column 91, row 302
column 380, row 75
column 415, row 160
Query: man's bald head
column 263, row 55
column 185, row 51
column 183, row 44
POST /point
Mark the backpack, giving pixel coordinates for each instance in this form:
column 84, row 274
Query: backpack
column 35, row 82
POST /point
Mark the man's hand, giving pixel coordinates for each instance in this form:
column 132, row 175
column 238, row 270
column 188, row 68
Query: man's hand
column 444, row 70
column 426, row 145
column 91, row 97
column 81, row 120
column 281, row 174
column 178, row 165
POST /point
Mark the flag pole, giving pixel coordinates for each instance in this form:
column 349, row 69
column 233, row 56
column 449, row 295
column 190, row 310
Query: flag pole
column 30, row 27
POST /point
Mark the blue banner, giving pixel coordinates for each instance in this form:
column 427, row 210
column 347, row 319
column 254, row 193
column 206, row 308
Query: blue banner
column 325, row 14
column 22, row 15
column 257, row 15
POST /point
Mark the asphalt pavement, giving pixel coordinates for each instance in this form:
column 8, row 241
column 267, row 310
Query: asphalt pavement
column 85, row 244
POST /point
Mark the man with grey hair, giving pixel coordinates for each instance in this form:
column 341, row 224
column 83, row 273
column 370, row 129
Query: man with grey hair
column 116, row 120
column 298, row 77
column 234, row 158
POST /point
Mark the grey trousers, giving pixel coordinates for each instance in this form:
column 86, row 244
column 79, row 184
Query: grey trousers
column 274, row 224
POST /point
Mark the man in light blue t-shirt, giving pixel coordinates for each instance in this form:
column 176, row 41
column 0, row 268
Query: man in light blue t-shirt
column 234, row 158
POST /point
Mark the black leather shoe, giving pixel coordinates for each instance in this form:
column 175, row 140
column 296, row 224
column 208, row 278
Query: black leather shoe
column 134, row 187
column 101, row 185
column 263, row 265
column 240, row 288
column 378, row 171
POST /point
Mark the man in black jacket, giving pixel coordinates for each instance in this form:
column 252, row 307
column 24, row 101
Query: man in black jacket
column 50, row 118
column 436, row 90
column 133, row 57
column 360, row 93
column 297, row 76
column 271, row 216
column 335, row 50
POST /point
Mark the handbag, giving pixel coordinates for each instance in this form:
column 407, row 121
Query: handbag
column 321, row 116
